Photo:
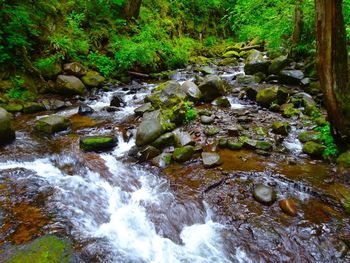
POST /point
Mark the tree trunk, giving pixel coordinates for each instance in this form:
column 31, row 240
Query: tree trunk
column 298, row 22
column 332, row 65
column 132, row 9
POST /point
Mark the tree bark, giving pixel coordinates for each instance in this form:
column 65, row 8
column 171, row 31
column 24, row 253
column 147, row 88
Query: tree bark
column 332, row 63
column 298, row 22
column 132, row 9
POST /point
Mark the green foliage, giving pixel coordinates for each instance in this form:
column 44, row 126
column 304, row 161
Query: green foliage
column 328, row 140
column 44, row 64
column 18, row 91
column 191, row 113
column 105, row 65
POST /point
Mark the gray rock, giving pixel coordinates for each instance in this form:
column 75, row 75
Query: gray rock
column 207, row 119
column 291, row 77
column 163, row 160
column 148, row 131
column 183, row 139
column 211, row 88
column 264, row 194
column 85, row 110
column 256, row 62
column 69, row 85
column 183, row 154
column 222, row 102
column 211, row 159
column 192, row 90
column 165, row 140
column 75, row 69
column 7, row 134
column 93, row 79
column 278, row 64
column 143, row 109
column 148, row 153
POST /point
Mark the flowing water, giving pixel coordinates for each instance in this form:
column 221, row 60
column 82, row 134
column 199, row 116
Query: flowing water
column 117, row 210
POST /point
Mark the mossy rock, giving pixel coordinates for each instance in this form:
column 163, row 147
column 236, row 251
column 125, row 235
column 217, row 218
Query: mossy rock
column 163, row 160
column 211, row 88
column 199, row 60
column 52, row 124
column 344, row 159
column 308, row 136
column 222, row 102
column 231, row 54
column 288, row 110
column 143, row 108
column 228, row 62
column 282, row 128
column 7, row 134
column 93, row 79
column 69, row 85
column 52, row 70
column 47, row 249
column 234, row 144
column 165, row 140
column 183, row 154
column 265, row 97
column 211, row 130
column 314, row 149
column 262, row 145
column 97, row 143
column 13, row 107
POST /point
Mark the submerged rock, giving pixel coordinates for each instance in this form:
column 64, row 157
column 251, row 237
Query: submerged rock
column 211, row 159
column 69, row 85
column 52, row 124
column 314, row 149
column 211, row 88
column 183, row 154
column 98, row 143
column 264, row 194
column 7, row 134
column 288, row 206
column 148, row 131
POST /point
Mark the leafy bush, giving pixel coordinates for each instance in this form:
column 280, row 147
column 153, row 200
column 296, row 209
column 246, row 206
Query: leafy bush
column 105, row 65
column 18, row 91
column 191, row 112
column 328, row 140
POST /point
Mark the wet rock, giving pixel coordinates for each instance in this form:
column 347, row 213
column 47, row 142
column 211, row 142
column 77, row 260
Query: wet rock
column 234, row 130
column 273, row 79
column 265, row 146
column 192, row 90
column 85, row 110
column 148, row 131
column 278, row 64
column 207, row 119
column 264, row 194
column 53, row 104
column 250, row 144
column 147, row 107
column 98, row 143
column 222, row 102
column 69, row 85
column 33, row 107
column 222, row 143
column 183, row 139
column 183, row 154
column 291, row 77
column 211, row 88
column 168, row 94
column 282, row 128
column 256, row 62
column 165, row 140
column 248, row 80
column 207, row 70
column 314, row 149
column 44, row 249
column 211, row 159
column 110, row 109
column 308, row 136
column 288, row 206
column 75, row 69
column 211, row 130
column 163, row 160
column 52, row 124
column 344, row 159
column 117, row 101
column 93, row 79
column 233, row 144
column 148, row 153
column 7, row 134
column 273, row 94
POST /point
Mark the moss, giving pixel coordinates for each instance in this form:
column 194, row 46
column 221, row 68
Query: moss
column 183, row 154
column 48, row 249
column 97, row 143
column 344, row 160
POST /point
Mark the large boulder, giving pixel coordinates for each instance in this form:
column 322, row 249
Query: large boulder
column 98, row 143
column 211, row 88
column 148, row 131
column 274, row 94
column 256, row 62
column 192, row 90
column 291, row 77
column 52, row 124
column 69, row 85
column 7, row 134
column 93, row 79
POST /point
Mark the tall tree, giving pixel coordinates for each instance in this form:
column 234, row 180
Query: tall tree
column 132, row 9
column 332, row 65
